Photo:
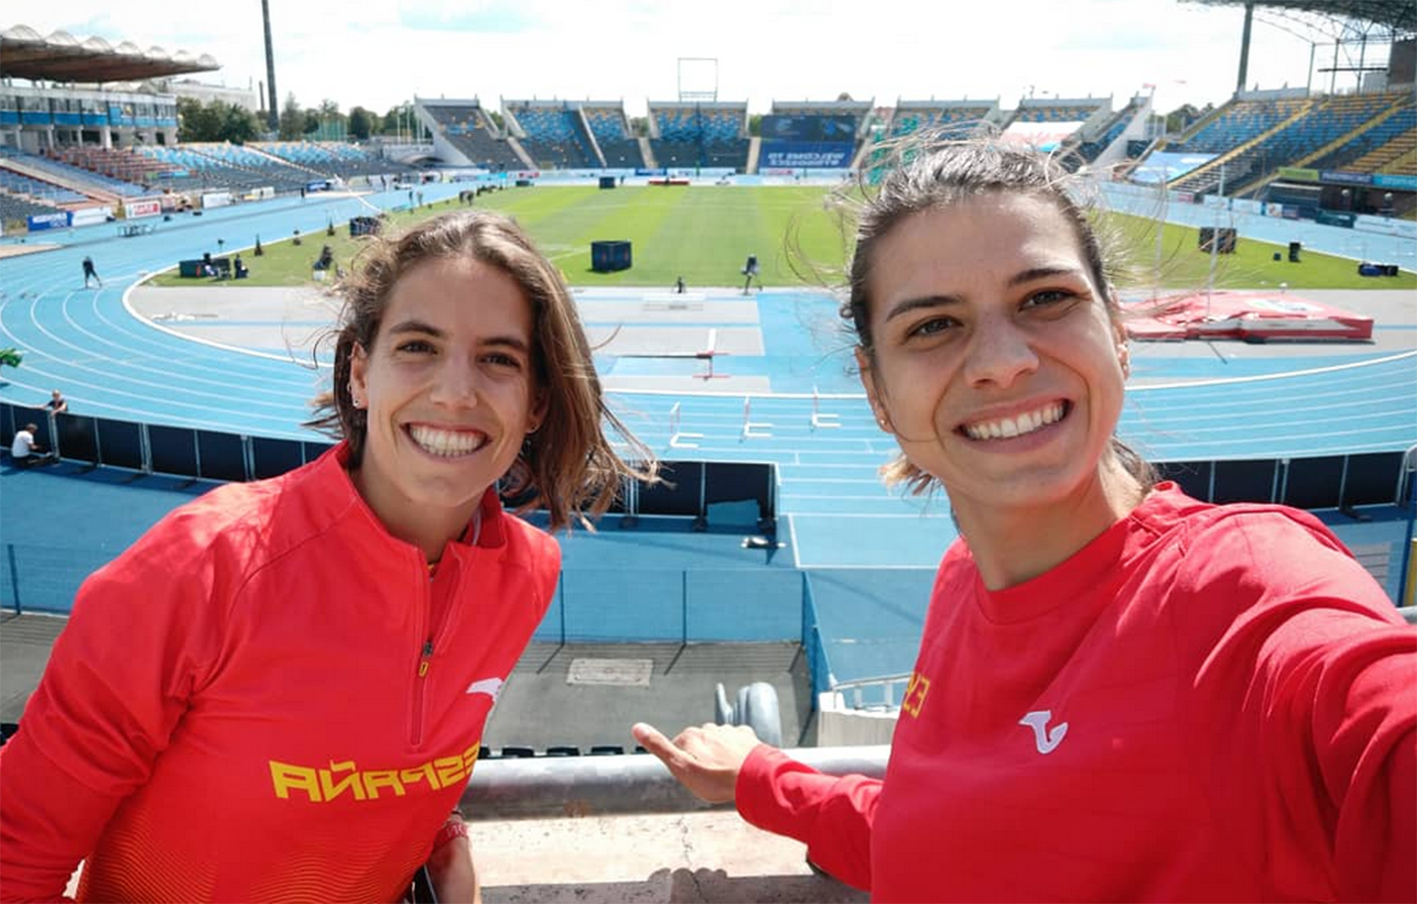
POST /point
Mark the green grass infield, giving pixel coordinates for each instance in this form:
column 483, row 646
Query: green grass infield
column 705, row 234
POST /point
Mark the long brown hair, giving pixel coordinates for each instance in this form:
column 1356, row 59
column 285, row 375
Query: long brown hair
column 568, row 466
column 930, row 174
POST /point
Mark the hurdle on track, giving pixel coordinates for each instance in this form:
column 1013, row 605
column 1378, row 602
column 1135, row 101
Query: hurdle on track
column 754, row 429
column 822, row 421
column 678, row 439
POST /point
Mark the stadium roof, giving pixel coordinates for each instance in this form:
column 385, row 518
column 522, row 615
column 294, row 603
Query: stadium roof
column 61, row 57
column 1398, row 15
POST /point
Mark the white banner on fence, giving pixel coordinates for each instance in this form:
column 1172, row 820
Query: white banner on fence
column 148, row 207
column 1386, row 226
column 90, row 215
column 216, row 199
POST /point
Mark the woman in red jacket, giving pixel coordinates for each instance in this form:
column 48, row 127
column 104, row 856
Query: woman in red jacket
column 1121, row 693
column 278, row 692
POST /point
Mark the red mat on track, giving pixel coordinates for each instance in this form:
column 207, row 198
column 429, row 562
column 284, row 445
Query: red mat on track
column 1250, row 316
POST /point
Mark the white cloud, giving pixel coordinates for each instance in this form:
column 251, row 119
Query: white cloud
column 887, row 49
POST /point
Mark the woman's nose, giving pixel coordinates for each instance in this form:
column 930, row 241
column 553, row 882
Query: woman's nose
column 999, row 353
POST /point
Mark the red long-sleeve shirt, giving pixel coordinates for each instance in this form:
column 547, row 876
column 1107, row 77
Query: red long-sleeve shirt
column 1205, row 703
column 266, row 698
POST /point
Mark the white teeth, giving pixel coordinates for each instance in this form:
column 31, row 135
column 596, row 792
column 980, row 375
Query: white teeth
column 1010, row 427
column 446, row 443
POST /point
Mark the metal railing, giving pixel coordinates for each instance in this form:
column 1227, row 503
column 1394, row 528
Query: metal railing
column 549, row 787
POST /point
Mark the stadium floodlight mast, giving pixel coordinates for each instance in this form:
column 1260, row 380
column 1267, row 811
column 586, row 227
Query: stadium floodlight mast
column 698, row 78
column 273, row 114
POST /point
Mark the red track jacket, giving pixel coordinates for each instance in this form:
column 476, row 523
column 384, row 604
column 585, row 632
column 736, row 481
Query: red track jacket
column 265, row 699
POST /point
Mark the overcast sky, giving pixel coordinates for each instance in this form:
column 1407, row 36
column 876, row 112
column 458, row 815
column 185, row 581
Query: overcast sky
column 381, row 53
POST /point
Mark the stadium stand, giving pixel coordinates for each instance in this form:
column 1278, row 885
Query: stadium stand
column 13, row 208
column 1088, row 143
column 611, row 128
column 1238, row 122
column 699, row 134
column 1377, row 144
column 1054, row 123
column 82, row 180
column 1237, row 126
column 331, row 158
column 210, row 165
column 951, row 118
column 463, row 134
column 946, row 118
column 35, row 190
column 555, row 133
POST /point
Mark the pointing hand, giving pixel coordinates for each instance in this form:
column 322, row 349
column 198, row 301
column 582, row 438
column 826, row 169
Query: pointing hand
column 706, row 760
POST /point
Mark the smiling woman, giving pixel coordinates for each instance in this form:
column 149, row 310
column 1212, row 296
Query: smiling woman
column 307, row 656
column 1122, row 693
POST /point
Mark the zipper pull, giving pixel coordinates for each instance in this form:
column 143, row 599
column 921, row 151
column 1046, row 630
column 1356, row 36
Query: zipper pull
column 427, row 655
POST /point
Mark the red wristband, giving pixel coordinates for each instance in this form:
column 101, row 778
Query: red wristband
column 453, row 828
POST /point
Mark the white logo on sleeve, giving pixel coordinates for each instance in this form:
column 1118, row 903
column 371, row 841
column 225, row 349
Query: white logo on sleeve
column 489, row 686
column 1047, row 740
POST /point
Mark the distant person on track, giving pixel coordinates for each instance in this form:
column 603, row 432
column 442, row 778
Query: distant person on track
column 1122, row 693
column 90, row 273
column 279, row 692
column 750, row 272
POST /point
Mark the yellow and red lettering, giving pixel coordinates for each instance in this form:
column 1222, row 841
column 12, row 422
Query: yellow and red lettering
column 285, row 777
column 915, row 693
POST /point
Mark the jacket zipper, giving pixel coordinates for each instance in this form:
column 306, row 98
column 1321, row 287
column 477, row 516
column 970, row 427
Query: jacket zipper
column 425, row 664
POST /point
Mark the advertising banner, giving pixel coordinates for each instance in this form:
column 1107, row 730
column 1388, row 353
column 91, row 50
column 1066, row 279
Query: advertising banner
column 813, row 129
column 90, row 215
column 1395, row 180
column 1387, row 226
column 1339, row 177
column 216, row 199
column 149, row 207
column 42, row 221
column 1298, row 174
column 805, row 155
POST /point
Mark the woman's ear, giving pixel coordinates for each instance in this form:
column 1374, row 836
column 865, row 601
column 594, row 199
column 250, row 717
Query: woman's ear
column 540, row 405
column 1119, row 339
column 358, row 375
column 868, row 382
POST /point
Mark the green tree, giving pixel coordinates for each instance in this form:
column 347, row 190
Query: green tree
column 360, row 122
column 497, row 120
column 391, row 120
column 292, row 120
column 194, row 121
column 215, row 121
column 239, row 125
column 311, row 122
column 1180, row 119
column 755, row 124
